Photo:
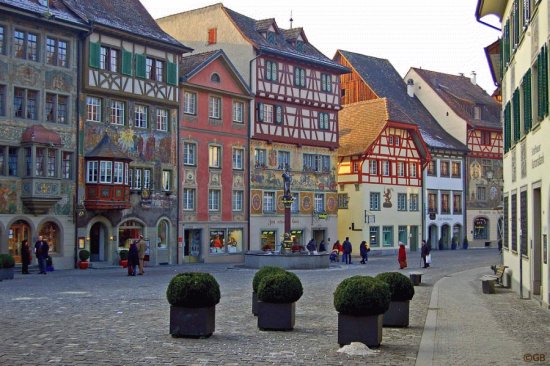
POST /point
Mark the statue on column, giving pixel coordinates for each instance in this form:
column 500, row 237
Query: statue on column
column 287, row 180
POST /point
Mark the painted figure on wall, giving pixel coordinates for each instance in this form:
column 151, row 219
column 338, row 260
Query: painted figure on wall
column 387, row 198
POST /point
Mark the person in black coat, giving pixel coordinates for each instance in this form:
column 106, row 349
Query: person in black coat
column 347, row 247
column 41, row 249
column 364, row 251
column 133, row 259
column 25, row 256
column 424, row 252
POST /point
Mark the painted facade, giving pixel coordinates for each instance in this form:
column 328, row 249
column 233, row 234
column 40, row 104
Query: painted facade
column 213, row 139
column 524, row 75
column 294, row 121
column 38, row 117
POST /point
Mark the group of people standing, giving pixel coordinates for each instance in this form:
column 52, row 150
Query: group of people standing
column 41, row 251
column 136, row 256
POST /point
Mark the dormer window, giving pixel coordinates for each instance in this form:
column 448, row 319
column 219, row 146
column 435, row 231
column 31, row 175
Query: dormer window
column 270, row 36
column 477, row 112
column 300, row 46
column 215, row 78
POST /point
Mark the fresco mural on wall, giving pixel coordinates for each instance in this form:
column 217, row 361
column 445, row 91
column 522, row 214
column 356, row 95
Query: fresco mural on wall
column 485, row 183
column 8, row 197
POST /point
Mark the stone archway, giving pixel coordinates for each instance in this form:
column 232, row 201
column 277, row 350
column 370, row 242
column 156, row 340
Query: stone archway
column 445, row 241
column 433, row 236
column 17, row 232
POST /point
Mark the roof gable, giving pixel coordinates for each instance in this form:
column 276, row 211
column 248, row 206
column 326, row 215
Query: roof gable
column 56, row 9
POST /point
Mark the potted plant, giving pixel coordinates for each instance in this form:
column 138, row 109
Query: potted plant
column 361, row 302
column 7, row 264
column 83, row 255
column 193, row 297
column 402, row 291
column 123, row 254
column 278, row 293
column 264, row 271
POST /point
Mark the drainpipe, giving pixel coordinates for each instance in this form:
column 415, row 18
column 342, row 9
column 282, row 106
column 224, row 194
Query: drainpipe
column 465, row 198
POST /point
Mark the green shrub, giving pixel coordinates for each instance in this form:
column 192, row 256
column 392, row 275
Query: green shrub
column 193, row 290
column 362, row 295
column 123, row 254
column 6, row 261
column 84, row 255
column 280, row 287
column 401, row 287
column 264, row 271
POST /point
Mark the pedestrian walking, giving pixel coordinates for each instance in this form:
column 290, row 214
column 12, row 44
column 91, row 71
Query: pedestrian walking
column 25, row 256
column 425, row 254
column 41, row 249
column 347, row 248
column 133, row 258
column 142, row 248
column 364, row 251
column 402, row 256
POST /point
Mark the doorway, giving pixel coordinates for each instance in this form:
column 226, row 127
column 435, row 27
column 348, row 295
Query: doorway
column 18, row 231
column 98, row 243
column 433, row 236
column 192, row 245
column 537, row 250
column 318, row 236
column 414, row 238
column 445, row 236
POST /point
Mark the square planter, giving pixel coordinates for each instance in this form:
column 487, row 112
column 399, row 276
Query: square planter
column 397, row 315
column 254, row 303
column 276, row 316
column 416, row 278
column 7, row 273
column 192, row 322
column 364, row 329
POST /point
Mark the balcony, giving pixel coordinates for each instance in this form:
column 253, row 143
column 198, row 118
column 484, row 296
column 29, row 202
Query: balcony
column 39, row 195
column 107, row 197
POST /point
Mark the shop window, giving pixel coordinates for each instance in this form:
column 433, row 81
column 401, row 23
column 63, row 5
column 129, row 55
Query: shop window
column 235, row 241
column 50, row 232
column 217, row 241
column 268, row 240
column 387, row 236
column 374, row 236
column 163, row 233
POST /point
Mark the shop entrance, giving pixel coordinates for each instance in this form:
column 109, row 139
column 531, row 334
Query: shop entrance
column 445, row 236
column 192, row 239
column 18, row 231
column 537, row 245
column 319, row 235
column 99, row 243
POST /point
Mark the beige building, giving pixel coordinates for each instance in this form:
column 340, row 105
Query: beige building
column 524, row 68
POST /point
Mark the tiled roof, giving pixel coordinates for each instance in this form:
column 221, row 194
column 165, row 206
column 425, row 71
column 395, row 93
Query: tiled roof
column 360, row 124
column 56, row 8
column 385, row 82
column 462, row 96
column 292, row 34
column 123, row 15
column 252, row 29
column 41, row 135
column 191, row 62
column 107, row 149
column 264, row 24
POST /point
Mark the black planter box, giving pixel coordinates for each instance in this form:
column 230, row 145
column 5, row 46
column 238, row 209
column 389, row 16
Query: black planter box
column 254, row 303
column 397, row 315
column 364, row 329
column 192, row 322
column 416, row 278
column 276, row 316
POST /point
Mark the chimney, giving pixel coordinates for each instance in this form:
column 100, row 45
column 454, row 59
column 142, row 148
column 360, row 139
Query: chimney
column 473, row 78
column 410, row 88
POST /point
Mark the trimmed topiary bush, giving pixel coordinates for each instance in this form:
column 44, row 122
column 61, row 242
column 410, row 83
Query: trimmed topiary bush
column 401, row 287
column 280, row 287
column 84, row 255
column 264, row 271
column 6, row 261
column 193, row 290
column 362, row 296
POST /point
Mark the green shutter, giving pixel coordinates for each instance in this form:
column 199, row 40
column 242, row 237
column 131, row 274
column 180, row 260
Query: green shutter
column 501, row 68
column 507, row 128
column 516, row 23
column 516, row 115
column 506, row 44
column 140, row 65
column 527, row 120
column 126, row 62
column 94, row 54
column 545, row 80
column 260, row 112
column 171, row 73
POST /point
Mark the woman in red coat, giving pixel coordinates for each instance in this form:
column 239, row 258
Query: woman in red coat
column 402, row 256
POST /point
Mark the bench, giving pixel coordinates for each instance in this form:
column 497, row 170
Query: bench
column 416, row 278
column 488, row 281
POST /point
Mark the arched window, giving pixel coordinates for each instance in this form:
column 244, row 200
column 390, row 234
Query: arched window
column 50, row 232
column 215, row 78
column 163, row 233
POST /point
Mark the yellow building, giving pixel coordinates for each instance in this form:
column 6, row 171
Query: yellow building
column 524, row 73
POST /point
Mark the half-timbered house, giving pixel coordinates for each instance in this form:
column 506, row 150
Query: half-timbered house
column 381, row 157
column 468, row 113
column 39, row 60
column 441, row 201
column 294, row 121
column 127, row 138
column 213, row 141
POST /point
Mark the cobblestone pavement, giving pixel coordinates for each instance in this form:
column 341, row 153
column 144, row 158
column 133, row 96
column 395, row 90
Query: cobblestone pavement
column 103, row 317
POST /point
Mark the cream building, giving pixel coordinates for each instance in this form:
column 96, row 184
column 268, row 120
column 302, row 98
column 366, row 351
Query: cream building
column 524, row 65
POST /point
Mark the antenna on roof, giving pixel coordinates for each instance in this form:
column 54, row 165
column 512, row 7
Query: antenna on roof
column 291, row 20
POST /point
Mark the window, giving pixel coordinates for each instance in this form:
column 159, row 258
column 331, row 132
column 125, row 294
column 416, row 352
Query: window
column 432, row 170
column 444, row 168
column 326, row 83
column 214, row 107
column 118, row 172
column 485, row 138
column 138, row 173
column 299, row 77
column 25, row 103
column 163, row 234
column 93, row 109
column 457, row 203
column 300, row 46
column 374, row 201
column 28, row 161
column 212, row 35
column 154, row 69
column 295, row 207
column 140, row 116
column 413, row 172
column 2, row 41
column 146, row 178
column 269, row 202
column 387, row 236
column 2, row 100
column 56, row 108
column 215, row 78
column 283, row 160
column 12, row 161
column 343, row 200
column 238, row 158
column 480, row 194
column 316, row 163
column 117, row 112
column 188, row 199
column 162, row 119
column 189, row 103
column 237, row 202
column 455, row 169
column 214, row 156
column 67, row 165
column 266, row 113
column 402, row 234
column 445, row 203
column 108, row 59
column 386, row 171
column 25, row 45
column 432, row 202
column 238, row 115
column 319, row 202
column 167, row 180
column 374, row 236
column 373, row 167
column 105, row 172
column 323, row 121
column 56, row 52
column 271, row 71
column 270, row 37
column 92, row 172
column 214, row 200
column 51, row 163
column 260, row 158
column 401, row 202
column 400, row 169
column 355, row 166
column 413, row 202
